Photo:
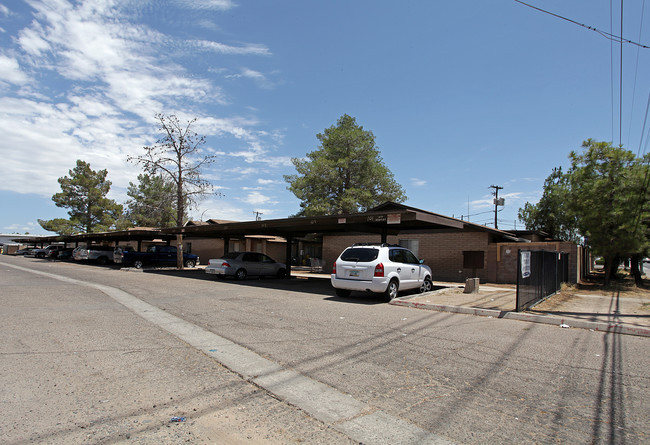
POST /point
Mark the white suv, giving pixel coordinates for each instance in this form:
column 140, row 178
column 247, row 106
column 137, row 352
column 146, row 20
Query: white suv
column 379, row 268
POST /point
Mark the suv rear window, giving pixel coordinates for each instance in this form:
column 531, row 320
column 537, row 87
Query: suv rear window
column 360, row 254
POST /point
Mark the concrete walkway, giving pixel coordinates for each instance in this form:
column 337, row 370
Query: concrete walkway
column 595, row 311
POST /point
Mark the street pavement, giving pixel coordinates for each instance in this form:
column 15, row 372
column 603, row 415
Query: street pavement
column 96, row 354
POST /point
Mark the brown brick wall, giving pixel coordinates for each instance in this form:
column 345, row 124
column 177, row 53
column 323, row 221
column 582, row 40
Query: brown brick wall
column 443, row 252
column 205, row 248
column 277, row 251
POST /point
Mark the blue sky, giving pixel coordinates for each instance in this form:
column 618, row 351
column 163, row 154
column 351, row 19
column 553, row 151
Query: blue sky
column 460, row 95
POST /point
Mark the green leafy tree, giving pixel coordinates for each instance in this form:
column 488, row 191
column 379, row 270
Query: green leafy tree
column 345, row 175
column 61, row 226
column 178, row 156
column 603, row 198
column 551, row 214
column 84, row 194
column 609, row 200
column 152, row 203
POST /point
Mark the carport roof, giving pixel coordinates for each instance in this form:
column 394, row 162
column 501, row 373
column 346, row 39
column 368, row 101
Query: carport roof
column 389, row 218
column 132, row 234
column 386, row 219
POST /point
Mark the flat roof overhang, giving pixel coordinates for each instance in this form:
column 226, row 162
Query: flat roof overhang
column 387, row 223
column 386, row 219
column 135, row 234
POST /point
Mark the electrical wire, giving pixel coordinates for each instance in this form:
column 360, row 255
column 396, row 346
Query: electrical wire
column 636, row 73
column 620, row 87
column 647, row 107
column 611, row 62
column 607, row 35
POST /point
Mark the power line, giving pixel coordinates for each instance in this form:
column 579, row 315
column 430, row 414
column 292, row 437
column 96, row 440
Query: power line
column 611, row 63
column 620, row 87
column 636, row 73
column 607, row 35
column 645, row 120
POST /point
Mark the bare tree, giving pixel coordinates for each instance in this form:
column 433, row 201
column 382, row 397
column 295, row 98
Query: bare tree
column 178, row 156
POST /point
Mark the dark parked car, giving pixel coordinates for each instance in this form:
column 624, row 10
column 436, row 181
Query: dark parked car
column 157, row 256
column 65, row 254
column 48, row 252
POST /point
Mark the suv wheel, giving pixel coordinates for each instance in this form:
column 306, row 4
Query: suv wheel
column 427, row 285
column 137, row 264
column 391, row 290
column 190, row 263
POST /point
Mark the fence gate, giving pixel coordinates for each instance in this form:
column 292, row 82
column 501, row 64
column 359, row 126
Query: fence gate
column 539, row 275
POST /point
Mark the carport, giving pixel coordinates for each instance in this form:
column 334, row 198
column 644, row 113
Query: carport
column 387, row 219
column 137, row 234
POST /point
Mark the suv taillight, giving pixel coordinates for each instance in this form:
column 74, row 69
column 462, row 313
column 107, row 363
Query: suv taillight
column 379, row 270
column 334, row 269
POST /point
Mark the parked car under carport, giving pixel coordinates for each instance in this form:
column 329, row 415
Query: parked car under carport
column 242, row 264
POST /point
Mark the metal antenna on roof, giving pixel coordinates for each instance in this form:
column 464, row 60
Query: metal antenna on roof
column 258, row 215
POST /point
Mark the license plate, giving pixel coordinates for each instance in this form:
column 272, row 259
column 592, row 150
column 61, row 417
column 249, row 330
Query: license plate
column 354, row 273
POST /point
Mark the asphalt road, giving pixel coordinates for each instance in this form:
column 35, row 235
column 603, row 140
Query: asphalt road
column 79, row 366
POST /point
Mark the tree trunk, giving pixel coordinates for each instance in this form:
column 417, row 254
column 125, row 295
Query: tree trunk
column 635, row 271
column 179, row 252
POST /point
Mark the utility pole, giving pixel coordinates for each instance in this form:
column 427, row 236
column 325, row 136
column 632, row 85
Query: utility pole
column 497, row 202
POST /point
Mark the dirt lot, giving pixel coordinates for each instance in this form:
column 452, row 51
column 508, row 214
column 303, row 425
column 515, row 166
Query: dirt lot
column 621, row 301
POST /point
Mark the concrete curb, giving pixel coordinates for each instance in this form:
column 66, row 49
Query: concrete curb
column 600, row 326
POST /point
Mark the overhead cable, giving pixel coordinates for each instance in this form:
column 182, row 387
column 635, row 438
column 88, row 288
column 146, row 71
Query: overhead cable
column 636, row 72
column 605, row 34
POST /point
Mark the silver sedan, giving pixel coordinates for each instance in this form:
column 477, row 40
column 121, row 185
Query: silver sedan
column 242, row 264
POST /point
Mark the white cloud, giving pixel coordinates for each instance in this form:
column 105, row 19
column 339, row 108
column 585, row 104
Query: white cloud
column 96, row 80
column 260, row 79
column 269, row 181
column 242, row 171
column 221, row 208
column 21, row 228
column 256, row 198
column 418, row 182
column 222, row 48
column 206, row 4
column 10, row 71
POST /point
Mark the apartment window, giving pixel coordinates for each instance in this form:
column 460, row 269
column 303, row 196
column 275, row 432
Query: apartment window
column 473, row 259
